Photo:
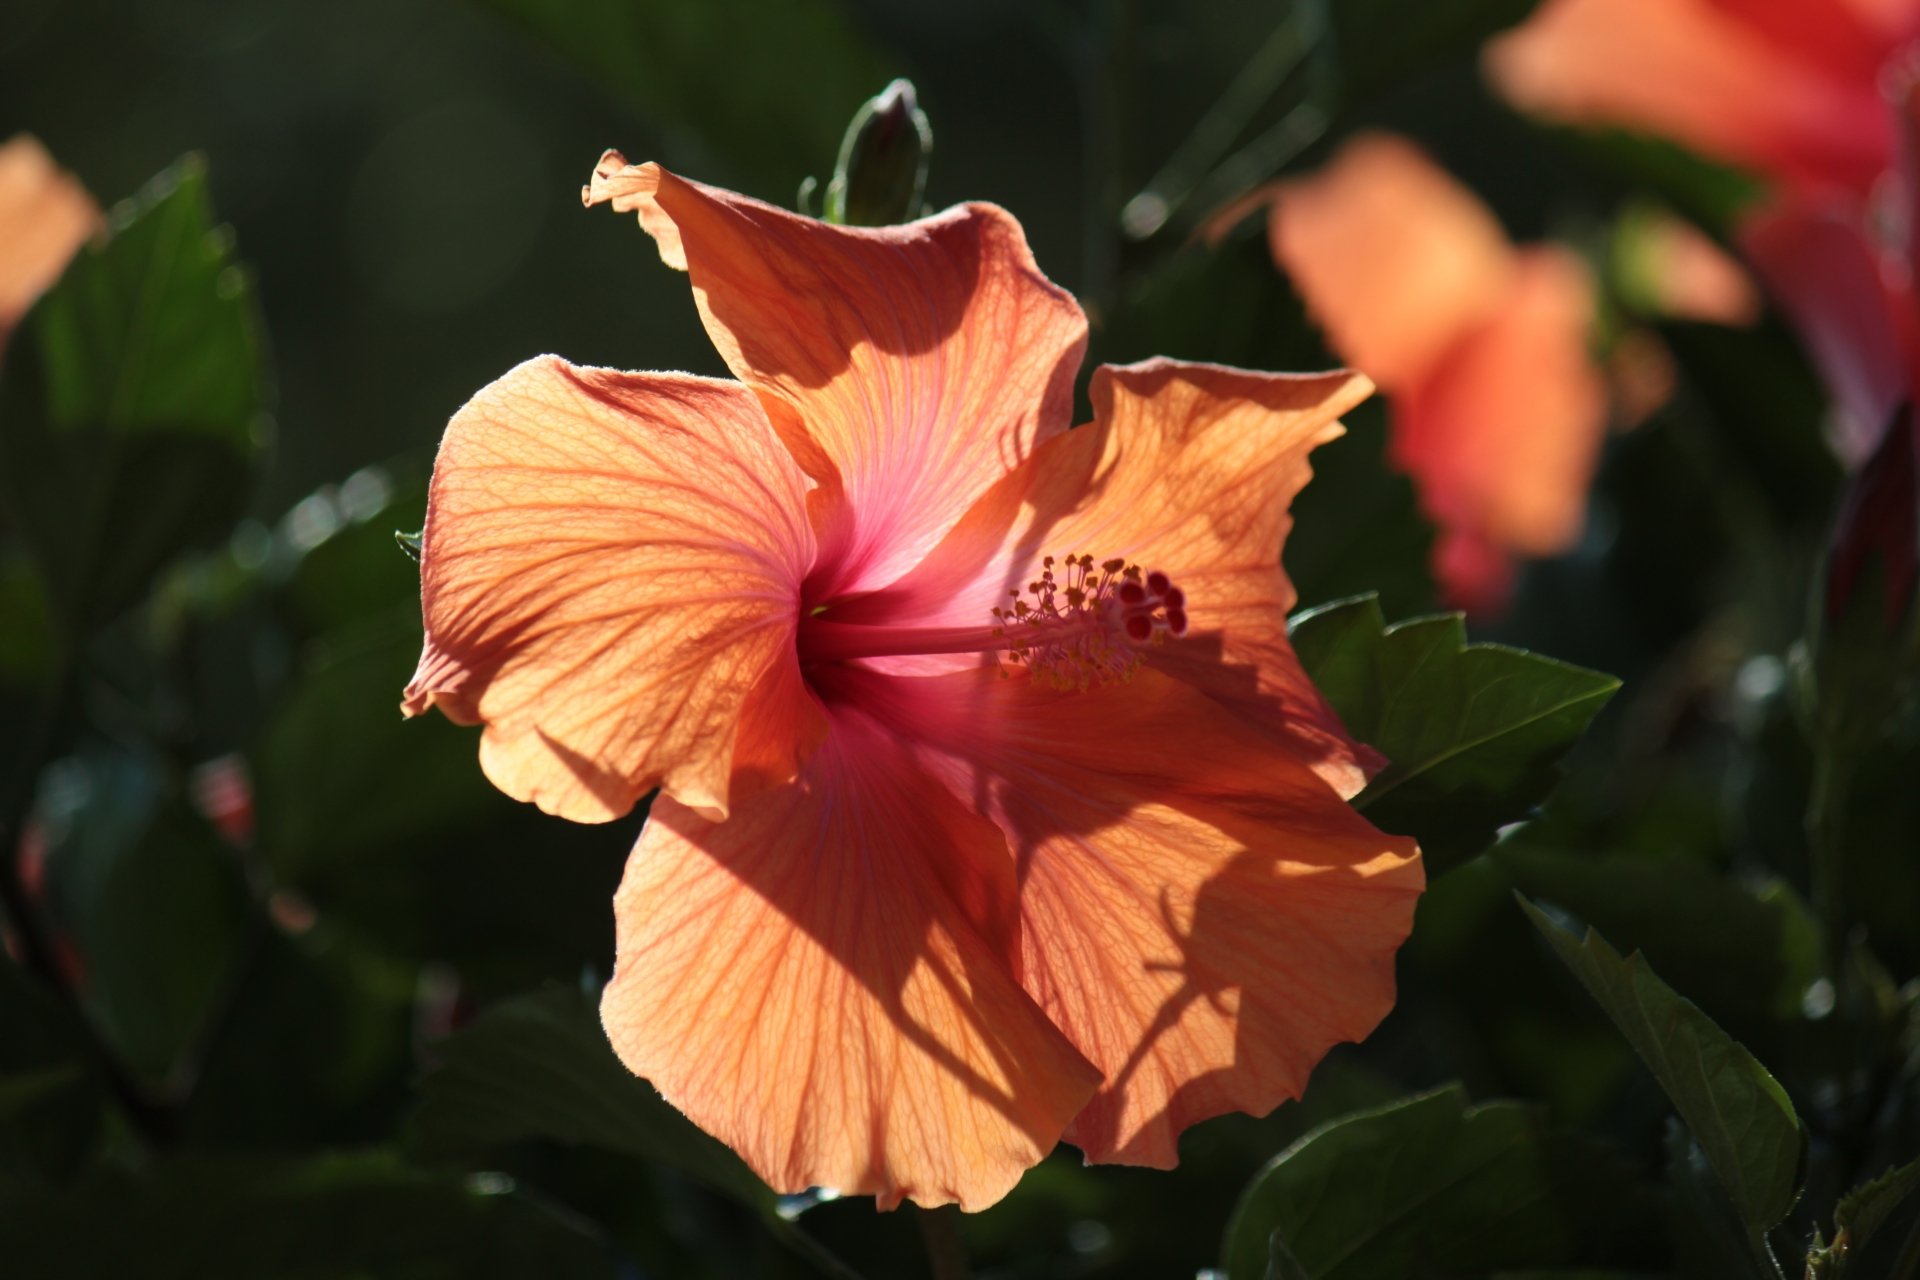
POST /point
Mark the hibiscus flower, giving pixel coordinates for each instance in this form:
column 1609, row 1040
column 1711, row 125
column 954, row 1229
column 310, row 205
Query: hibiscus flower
column 1816, row 99
column 1788, row 88
column 993, row 804
column 45, row 216
column 1498, row 412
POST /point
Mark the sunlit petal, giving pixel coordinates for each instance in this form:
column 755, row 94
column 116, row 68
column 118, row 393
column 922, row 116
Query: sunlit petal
column 1200, row 913
column 1190, row 469
column 825, row 982
column 612, row 566
column 908, row 368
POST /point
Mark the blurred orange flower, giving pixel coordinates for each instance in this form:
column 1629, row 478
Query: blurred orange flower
column 1814, row 97
column 959, row 848
column 1789, row 88
column 1498, row 412
column 45, row 216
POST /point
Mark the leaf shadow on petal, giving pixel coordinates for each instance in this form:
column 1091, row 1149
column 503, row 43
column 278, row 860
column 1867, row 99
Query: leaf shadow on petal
column 837, row 1073
column 1127, row 808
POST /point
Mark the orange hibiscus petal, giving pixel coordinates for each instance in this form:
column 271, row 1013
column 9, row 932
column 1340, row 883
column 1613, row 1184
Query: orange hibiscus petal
column 1392, row 256
column 1504, row 435
column 908, row 368
column 45, row 216
column 1200, row 913
column 1186, row 468
column 612, row 566
column 1716, row 77
column 824, row 983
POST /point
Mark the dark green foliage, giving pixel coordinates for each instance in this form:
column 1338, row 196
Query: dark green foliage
column 333, row 1215
column 339, row 1019
column 723, row 72
column 1738, row 1113
column 1380, row 44
column 1879, row 1222
column 130, row 409
column 1473, row 733
column 50, row 1093
column 135, row 874
column 1430, row 1184
column 539, row 1066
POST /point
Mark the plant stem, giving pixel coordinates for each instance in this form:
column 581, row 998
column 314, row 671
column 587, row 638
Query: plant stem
column 1271, row 66
column 940, row 1233
column 1826, row 829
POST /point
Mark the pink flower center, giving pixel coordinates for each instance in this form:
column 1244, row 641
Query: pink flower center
column 1078, row 624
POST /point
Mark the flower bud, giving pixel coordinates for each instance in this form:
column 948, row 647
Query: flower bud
column 881, row 175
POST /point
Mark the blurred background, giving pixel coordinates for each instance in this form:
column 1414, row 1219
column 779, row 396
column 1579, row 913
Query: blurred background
column 312, row 999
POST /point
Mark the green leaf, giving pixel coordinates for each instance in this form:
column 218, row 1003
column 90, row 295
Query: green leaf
column 1474, row 733
column 360, row 1214
column 1709, row 1240
column 149, row 899
column 337, row 1023
column 400, row 839
column 1754, row 965
column 539, row 1066
column 354, row 572
column 1429, row 1182
column 794, row 71
column 1864, row 1214
column 1281, row 1264
column 1737, row 1112
column 130, row 406
column 29, row 644
column 50, row 1096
